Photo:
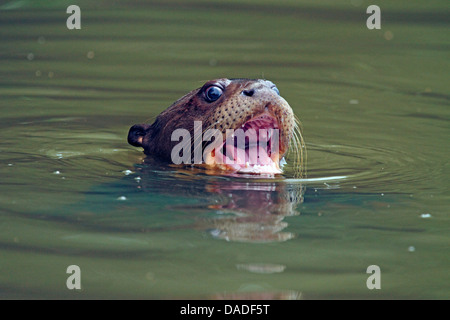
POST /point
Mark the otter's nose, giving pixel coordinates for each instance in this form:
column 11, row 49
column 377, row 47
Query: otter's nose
column 258, row 89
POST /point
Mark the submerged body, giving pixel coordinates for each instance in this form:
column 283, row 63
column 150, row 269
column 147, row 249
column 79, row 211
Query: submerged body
column 252, row 108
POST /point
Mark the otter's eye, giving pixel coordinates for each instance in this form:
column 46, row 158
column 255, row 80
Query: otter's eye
column 213, row 93
column 276, row 90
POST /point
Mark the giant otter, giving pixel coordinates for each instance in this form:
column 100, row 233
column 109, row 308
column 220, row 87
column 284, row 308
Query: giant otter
column 266, row 120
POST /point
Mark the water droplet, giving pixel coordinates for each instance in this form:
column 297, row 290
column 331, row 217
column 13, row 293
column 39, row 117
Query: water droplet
column 388, row 35
column 215, row 232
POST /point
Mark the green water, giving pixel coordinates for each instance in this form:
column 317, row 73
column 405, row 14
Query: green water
column 375, row 111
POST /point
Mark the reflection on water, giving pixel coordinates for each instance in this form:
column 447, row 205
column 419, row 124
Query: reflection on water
column 255, row 295
column 248, row 209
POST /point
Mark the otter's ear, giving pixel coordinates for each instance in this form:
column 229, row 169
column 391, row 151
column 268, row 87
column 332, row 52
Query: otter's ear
column 137, row 134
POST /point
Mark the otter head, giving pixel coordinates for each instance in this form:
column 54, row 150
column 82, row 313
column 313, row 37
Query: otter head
column 235, row 125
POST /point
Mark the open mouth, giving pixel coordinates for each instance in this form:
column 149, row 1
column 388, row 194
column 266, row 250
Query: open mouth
column 253, row 149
